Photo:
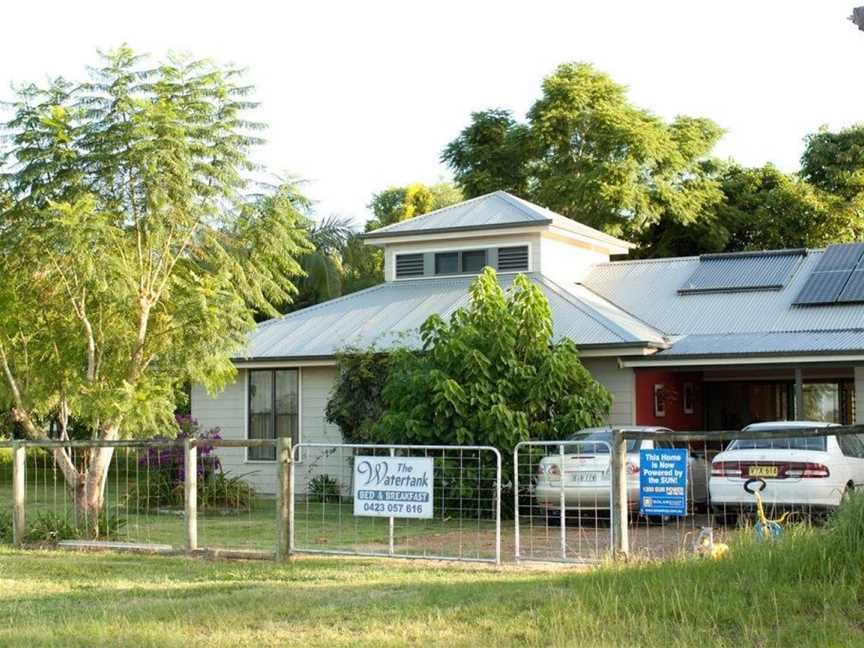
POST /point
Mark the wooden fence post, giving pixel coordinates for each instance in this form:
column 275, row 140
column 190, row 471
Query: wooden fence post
column 619, row 509
column 19, row 466
column 190, row 452
column 284, row 499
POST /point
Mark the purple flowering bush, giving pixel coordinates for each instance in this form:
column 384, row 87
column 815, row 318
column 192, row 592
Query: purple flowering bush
column 162, row 475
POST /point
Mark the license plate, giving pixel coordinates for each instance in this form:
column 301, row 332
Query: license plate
column 763, row 471
column 582, row 477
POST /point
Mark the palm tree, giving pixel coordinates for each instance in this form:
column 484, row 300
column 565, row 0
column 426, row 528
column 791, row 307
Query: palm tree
column 323, row 266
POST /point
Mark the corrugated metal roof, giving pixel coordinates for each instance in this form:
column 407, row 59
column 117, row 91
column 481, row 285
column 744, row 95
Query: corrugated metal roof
column 391, row 313
column 743, row 271
column 495, row 210
column 781, row 343
column 648, row 290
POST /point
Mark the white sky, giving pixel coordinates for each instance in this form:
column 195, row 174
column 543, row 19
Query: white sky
column 363, row 95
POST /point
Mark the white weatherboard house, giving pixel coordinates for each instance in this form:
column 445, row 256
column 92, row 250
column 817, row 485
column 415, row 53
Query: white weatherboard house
column 692, row 343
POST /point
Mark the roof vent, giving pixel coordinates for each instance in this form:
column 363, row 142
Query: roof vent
column 511, row 259
column 409, row 265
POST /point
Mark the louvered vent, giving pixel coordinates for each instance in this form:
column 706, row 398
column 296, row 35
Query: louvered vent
column 513, row 258
column 409, row 265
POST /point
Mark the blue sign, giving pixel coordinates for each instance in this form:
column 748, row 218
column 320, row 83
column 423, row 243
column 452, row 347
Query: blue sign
column 663, row 481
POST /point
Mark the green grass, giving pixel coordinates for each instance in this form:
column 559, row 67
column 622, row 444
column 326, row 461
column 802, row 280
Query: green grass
column 807, row 589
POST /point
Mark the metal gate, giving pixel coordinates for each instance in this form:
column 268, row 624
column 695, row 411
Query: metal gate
column 562, row 499
column 371, row 500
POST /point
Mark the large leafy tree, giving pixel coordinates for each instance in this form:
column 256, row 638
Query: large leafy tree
column 588, row 153
column 762, row 208
column 834, row 162
column 492, row 375
column 134, row 254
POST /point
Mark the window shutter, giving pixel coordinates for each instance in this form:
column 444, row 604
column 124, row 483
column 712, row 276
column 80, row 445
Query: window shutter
column 409, row 265
column 513, row 258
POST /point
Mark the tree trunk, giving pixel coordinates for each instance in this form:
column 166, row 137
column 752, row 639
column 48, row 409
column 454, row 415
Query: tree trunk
column 89, row 491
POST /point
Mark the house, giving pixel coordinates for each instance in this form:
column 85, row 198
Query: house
column 709, row 342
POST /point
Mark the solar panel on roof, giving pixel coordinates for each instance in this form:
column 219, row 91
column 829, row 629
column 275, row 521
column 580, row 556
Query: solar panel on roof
column 822, row 287
column 844, row 256
column 743, row 271
column 827, row 284
column 854, row 289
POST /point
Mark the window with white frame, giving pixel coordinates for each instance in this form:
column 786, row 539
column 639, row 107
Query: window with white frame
column 273, row 408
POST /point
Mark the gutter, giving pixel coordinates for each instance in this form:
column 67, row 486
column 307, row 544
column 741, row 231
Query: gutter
column 789, row 358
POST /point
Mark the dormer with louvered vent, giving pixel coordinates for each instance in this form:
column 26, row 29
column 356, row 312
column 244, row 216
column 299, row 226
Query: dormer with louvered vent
column 499, row 231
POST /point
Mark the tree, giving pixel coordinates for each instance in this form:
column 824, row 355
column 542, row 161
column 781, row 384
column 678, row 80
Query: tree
column 492, row 153
column 763, row 208
column 134, row 256
column 834, row 162
column 323, row 267
column 588, row 153
column 397, row 204
column 491, row 376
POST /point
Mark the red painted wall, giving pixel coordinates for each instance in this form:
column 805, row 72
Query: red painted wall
column 673, row 398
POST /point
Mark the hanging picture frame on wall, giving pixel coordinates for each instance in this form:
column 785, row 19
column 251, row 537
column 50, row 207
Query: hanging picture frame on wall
column 687, row 398
column 659, row 401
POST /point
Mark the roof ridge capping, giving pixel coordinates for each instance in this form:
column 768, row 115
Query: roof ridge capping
column 744, row 254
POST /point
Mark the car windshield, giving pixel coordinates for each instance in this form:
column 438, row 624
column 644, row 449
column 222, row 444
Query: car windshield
column 816, row 443
column 599, row 441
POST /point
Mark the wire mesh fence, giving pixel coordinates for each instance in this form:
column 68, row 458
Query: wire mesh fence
column 361, row 500
column 575, row 500
column 756, row 480
column 142, row 501
column 562, row 492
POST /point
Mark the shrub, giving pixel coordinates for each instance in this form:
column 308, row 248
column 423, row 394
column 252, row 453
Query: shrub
column 162, row 476
column 355, row 402
column 324, row 488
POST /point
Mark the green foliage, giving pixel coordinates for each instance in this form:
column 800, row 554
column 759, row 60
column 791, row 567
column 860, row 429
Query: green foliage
column 134, row 253
column 762, row 208
column 324, row 488
column 588, row 153
column 6, row 527
column 834, row 162
column 49, row 527
column 397, row 204
column 491, row 376
column 355, row 403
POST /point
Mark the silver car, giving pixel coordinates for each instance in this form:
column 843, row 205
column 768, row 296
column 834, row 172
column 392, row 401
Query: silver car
column 583, row 475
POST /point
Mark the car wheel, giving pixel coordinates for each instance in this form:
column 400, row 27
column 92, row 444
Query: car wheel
column 847, row 493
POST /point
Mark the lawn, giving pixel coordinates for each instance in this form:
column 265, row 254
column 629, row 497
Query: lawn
column 807, row 589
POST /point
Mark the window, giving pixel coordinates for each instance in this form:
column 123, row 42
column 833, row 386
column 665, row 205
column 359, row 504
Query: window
column 851, row 445
column 447, row 263
column 822, row 402
column 473, row 261
column 273, row 408
column 814, row 443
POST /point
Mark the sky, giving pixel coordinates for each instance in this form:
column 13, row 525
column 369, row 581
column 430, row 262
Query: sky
column 360, row 96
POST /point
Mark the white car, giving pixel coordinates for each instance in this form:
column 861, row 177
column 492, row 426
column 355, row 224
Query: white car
column 815, row 472
column 588, row 476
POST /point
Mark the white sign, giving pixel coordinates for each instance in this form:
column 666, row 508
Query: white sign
column 393, row 487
